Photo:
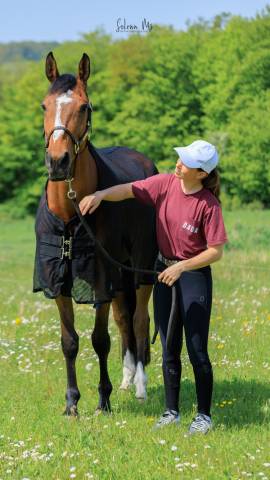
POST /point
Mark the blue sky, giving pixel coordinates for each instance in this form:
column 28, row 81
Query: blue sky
column 64, row 19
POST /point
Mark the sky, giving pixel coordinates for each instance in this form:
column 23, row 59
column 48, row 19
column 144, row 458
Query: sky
column 59, row 20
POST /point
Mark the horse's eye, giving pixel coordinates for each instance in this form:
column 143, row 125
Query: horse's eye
column 43, row 106
column 84, row 107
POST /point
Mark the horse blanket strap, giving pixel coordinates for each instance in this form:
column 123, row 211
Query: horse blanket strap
column 61, row 246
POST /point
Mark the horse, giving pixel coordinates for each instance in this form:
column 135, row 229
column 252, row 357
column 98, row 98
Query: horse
column 68, row 267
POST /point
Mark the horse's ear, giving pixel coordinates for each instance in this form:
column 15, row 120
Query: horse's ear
column 84, row 68
column 51, row 68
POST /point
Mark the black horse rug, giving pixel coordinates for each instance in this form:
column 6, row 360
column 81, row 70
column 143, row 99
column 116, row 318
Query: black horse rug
column 67, row 261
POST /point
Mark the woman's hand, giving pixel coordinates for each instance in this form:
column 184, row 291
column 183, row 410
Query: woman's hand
column 90, row 202
column 171, row 274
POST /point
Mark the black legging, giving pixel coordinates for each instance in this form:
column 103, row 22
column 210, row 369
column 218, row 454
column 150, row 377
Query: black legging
column 194, row 293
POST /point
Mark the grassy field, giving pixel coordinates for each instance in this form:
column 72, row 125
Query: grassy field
column 37, row 442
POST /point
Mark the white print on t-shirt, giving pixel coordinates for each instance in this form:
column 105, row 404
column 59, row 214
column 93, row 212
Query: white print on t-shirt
column 189, row 227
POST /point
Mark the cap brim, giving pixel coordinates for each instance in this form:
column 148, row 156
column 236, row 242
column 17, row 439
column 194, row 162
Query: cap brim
column 185, row 157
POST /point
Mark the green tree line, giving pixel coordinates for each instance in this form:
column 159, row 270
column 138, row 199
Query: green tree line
column 21, row 51
column 153, row 92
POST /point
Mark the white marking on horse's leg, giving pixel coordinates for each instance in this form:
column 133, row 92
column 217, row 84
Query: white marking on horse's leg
column 129, row 370
column 62, row 99
column 140, row 381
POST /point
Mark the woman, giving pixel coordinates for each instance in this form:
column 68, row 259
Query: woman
column 190, row 235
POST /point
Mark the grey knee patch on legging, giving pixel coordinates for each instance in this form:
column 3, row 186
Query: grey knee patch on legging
column 172, row 374
column 173, row 371
column 204, row 368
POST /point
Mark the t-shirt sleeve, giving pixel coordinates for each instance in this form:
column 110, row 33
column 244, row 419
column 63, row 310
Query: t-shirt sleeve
column 149, row 189
column 214, row 227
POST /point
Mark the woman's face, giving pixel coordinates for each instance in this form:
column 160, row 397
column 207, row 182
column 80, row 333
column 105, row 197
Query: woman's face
column 186, row 173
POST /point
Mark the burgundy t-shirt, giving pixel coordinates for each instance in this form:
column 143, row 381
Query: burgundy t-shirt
column 185, row 223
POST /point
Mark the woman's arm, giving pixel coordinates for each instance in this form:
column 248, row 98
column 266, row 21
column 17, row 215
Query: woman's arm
column 112, row 194
column 211, row 255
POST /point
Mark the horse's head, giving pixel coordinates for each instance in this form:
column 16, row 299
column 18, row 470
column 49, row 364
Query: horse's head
column 67, row 117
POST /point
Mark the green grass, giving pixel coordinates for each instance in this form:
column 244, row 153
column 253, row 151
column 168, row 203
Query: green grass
column 37, row 442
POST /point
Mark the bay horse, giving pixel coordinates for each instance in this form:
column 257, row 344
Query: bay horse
column 67, row 264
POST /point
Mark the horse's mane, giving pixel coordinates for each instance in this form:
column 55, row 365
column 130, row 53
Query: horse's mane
column 63, row 83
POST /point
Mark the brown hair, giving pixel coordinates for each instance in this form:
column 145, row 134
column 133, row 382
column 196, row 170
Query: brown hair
column 212, row 182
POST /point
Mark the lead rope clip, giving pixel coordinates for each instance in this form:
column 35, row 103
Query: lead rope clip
column 71, row 194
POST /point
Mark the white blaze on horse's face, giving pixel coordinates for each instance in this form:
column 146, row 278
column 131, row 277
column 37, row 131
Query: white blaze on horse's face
column 63, row 99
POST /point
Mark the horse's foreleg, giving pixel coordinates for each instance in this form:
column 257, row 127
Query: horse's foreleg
column 102, row 344
column 124, row 322
column 70, row 347
column 141, row 330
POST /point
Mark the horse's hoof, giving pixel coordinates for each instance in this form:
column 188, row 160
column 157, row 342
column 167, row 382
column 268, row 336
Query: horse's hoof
column 125, row 386
column 141, row 400
column 98, row 412
column 71, row 411
column 105, row 411
column 141, row 393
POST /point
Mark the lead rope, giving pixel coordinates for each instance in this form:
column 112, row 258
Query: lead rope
column 71, row 194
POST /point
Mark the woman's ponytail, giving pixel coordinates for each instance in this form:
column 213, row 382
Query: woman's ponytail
column 212, row 183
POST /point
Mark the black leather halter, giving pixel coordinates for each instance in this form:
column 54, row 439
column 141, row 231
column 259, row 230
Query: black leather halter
column 77, row 143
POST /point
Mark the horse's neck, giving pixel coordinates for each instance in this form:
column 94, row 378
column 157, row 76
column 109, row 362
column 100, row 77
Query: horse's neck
column 84, row 183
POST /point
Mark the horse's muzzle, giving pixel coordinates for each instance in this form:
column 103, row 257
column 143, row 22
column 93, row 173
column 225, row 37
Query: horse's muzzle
column 58, row 169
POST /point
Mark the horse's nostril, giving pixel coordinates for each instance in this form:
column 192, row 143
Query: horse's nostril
column 48, row 161
column 64, row 161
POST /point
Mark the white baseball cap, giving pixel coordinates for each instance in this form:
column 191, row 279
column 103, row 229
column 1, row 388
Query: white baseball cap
column 199, row 154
